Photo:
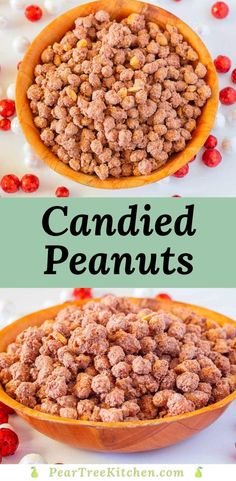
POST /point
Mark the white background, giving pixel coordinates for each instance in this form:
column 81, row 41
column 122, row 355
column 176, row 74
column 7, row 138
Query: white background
column 216, row 444
column 220, row 38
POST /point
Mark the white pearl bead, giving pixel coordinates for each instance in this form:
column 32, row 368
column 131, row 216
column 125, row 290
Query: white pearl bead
column 65, row 296
column 27, row 149
column 4, row 22
column 21, row 44
column 140, row 292
column 48, row 303
column 229, row 145
column 220, row 121
column 32, row 458
column 17, row 4
column 203, row 30
column 53, row 6
column 31, row 160
column 231, row 117
column 11, row 91
column 15, row 126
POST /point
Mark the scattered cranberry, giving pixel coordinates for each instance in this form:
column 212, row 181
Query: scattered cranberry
column 29, row 183
column 233, row 76
column 5, row 124
column 9, row 441
column 163, row 296
column 10, row 183
column 228, row 96
column 3, row 416
column 6, row 408
column 222, row 64
column 82, row 292
column 176, row 195
column 182, row 172
column 211, row 142
column 211, row 157
column 220, row 10
column 33, row 13
column 7, row 108
column 62, row 192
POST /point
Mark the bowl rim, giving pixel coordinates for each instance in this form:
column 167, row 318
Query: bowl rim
column 26, row 411
column 175, row 162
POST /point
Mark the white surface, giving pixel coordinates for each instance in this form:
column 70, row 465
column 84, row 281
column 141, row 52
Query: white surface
column 219, row 36
column 216, row 444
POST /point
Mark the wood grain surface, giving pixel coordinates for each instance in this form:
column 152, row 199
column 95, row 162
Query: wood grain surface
column 118, row 9
column 117, row 437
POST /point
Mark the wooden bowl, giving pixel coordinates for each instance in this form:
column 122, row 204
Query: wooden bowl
column 121, row 437
column 118, row 9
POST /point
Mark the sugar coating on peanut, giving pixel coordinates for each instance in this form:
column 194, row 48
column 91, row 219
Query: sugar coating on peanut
column 117, row 99
column 115, row 361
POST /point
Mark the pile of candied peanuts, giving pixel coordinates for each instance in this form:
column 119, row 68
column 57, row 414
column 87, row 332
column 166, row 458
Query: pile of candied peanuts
column 113, row 360
column 118, row 99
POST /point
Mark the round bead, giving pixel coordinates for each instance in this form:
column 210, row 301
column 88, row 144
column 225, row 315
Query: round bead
column 5, row 124
column 229, row 145
column 32, row 458
column 31, row 160
column 9, row 441
column 222, row 64
column 233, row 76
column 228, row 96
column 220, row 121
column 211, row 157
column 15, row 126
column 17, row 4
column 182, row 172
column 64, row 296
column 7, row 108
column 211, row 142
column 53, row 7
column 33, row 13
column 231, row 117
column 10, row 183
column 4, row 22
column 11, row 91
column 62, row 192
column 203, row 30
column 220, row 10
column 29, row 183
column 21, row 43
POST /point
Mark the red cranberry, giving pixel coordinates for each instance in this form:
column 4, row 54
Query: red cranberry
column 233, row 76
column 211, row 142
column 211, row 157
column 182, row 172
column 228, row 96
column 7, row 108
column 222, row 64
column 164, row 296
column 5, row 124
column 10, row 183
column 62, row 192
column 33, row 13
column 220, row 10
column 82, row 292
column 29, row 183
